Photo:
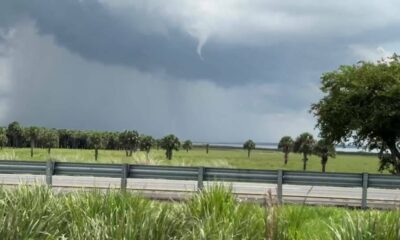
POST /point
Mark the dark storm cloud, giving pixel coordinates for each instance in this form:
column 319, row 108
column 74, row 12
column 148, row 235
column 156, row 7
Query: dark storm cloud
column 66, row 91
column 87, row 28
column 92, row 30
column 207, row 70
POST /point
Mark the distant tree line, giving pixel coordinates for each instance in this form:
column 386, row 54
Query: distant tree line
column 130, row 141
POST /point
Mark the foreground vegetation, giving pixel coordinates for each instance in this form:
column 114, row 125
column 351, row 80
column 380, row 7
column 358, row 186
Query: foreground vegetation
column 39, row 213
column 231, row 158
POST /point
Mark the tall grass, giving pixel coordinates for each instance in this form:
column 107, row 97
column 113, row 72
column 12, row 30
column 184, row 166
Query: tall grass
column 39, row 213
column 372, row 225
column 232, row 158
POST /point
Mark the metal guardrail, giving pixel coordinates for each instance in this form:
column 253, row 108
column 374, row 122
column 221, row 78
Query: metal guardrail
column 200, row 174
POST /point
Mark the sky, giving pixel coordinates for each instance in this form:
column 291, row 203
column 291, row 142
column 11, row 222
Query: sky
column 209, row 70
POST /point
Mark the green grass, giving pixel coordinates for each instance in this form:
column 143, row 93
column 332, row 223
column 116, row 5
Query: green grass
column 232, row 158
column 39, row 213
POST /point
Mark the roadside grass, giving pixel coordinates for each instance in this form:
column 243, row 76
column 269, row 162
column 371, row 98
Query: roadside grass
column 230, row 158
column 37, row 212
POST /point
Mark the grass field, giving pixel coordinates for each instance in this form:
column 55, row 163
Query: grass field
column 40, row 213
column 231, row 158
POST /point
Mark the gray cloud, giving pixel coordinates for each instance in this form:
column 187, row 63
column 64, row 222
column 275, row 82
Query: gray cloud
column 65, row 90
column 135, row 64
column 261, row 41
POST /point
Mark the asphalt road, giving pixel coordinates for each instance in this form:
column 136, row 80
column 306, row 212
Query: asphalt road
column 178, row 190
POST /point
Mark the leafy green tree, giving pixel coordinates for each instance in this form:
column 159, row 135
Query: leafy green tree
column 3, row 138
column 304, row 144
column 324, row 149
column 146, row 143
column 249, row 145
column 50, row 139
column 129, row 140
column 187, row 145
column 170, row 143
column 362, row 104
column 14, row 134
column 32, row 134
column 286, row 145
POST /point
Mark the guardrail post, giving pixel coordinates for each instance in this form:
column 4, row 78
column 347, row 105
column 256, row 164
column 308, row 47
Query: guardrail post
column 124, row 176
column 364, row 190
column 200, row 178
column 279, row 186
column 49, row 172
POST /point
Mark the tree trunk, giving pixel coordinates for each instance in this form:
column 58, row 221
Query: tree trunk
column 49, row 150
column 324, row 160
column 305, row 159
column 168, row 154
column 286, row 157
column 126, row 152
column 248, row 153
column 187, row 150
column 207, row 149
column 395, row 154
column 96, row 153
column 32, row 146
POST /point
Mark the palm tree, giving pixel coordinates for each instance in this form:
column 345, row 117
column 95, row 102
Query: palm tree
column 96, row 140
column 50, row 139
column 64, row 137
column 324, row 149
column 187, row 145
column 286, row 145
column 170, row 143
column 14, row 134
column 146, row 143
column 32, row 135
column 3, row 138
column 111, row 140
column 304, row 144
column 249, row 145
column 129, row 140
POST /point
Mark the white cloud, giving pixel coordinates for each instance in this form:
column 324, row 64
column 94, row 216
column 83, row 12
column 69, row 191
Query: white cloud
column 373, row 53
column 55, row 88
column 264, row 21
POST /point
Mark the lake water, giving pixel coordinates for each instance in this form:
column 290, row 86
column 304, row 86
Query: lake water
column 275, row 146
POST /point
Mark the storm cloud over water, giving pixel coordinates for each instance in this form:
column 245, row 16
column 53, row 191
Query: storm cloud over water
column 204, row 70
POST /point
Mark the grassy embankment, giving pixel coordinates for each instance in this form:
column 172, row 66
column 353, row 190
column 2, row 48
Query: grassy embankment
column 234, row 158
column 39, row 213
